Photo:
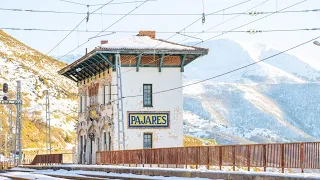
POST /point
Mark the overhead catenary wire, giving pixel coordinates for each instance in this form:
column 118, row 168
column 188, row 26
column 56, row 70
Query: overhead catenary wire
column 251, row 13
column 81, row 4
column 251, row 31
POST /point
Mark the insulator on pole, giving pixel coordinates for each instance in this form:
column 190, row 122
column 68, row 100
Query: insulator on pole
column 203, row 18
column 88, row 14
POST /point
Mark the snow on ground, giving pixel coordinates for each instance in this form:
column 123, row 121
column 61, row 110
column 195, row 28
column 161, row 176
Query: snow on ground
column 4, row 178
column 97, row 173
column 28, row 176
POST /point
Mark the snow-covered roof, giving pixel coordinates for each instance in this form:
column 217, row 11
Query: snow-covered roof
column 147, row 43
column 144, row 44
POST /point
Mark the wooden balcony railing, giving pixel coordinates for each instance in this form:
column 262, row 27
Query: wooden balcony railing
column 288, row 155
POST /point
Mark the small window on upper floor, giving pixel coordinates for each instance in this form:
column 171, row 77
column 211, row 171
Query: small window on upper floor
column 147, row 95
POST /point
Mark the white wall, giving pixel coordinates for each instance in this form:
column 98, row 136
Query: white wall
column 132, row 82
column 172, row 101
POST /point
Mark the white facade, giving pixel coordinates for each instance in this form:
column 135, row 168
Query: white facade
column 171, row 101
column 105, row 128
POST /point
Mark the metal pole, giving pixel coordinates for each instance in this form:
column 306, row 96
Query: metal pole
column 10, row 135
column 18, row 124
column 121, row 131
column 6, row 145
column 48, row 137
column 0, row 135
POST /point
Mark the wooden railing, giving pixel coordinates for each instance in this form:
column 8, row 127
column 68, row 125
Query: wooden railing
column 288, row 155
column 45, row 159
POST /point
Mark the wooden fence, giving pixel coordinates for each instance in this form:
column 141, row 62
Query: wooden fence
column 45, row 159
column 288, row 155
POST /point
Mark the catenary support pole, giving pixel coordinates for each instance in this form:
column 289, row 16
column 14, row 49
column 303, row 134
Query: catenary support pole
column 48, row 128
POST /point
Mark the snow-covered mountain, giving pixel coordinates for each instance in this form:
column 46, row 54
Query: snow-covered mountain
column 37, row 73
column 277, row 100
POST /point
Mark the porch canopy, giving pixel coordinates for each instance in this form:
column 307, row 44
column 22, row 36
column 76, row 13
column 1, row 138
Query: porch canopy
column 142, row 50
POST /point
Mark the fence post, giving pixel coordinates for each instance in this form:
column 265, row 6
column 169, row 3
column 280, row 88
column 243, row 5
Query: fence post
column 143, row 157
column 302, row 157
column 208, row 158
column 129, row 152
column 264, row 155
column 177, row 160
column 282, row 158
column 248, row 157
column 168, row 157
column 198, row 159
column 186, row 157
column 233, row 158
column 220, row 157
column 123, row 157
column 158, row 157
column 110, row 157
column 151, row 157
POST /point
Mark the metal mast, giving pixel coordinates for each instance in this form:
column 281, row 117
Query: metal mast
column 48, row 137
column 0, row 135
column 10, row 134
column 18, row 145
column 121, row 135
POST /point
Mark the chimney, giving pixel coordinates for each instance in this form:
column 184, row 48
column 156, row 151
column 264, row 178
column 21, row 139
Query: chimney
column 103, row 42
column 151, row 34
column 86, row 51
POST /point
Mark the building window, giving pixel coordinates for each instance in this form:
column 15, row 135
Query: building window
column 109, row 102
column 84, row 104
column 105, row 141
column 98, row 144
column 147, row 140
column 147, row 95
column 104, row 94
column 80, row 104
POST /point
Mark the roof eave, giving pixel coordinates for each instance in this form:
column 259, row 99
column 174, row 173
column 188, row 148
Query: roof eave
column 198, row 51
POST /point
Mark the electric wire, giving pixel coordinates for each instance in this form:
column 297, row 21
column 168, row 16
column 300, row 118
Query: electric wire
column 251, row 31
column 81, row 4
column 252, row 13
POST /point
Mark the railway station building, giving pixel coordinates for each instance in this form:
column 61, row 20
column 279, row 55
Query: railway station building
column 123, row 102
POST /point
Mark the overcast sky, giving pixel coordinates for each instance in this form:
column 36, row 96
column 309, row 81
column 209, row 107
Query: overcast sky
column 45, row 41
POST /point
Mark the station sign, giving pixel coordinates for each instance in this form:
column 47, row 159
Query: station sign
column 147, row 119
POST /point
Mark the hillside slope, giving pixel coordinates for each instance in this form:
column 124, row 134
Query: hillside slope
column 37, row 73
